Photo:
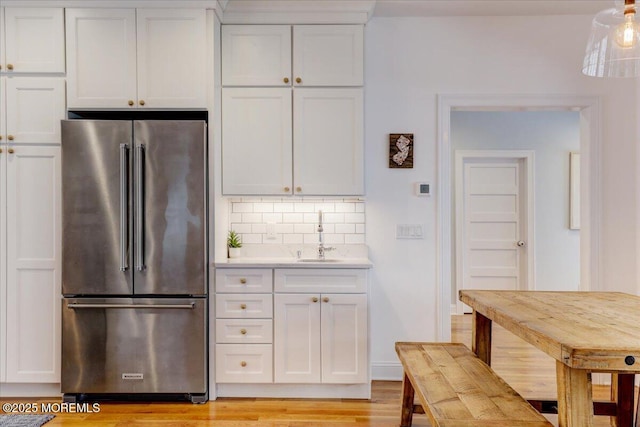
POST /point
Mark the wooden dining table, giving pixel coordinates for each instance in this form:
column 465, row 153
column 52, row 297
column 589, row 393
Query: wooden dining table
column 584, row 332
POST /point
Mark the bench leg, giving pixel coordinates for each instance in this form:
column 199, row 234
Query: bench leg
column 481, row 337
column 406, row 416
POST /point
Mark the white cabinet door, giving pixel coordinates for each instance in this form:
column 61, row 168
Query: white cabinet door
column 34, row 40
column 328, row 141
column 328, row 55
column 35, row 106
column 2, row 44
column 256, row 147
column 172, row 45
column 256, row 55
column 3, row 258
column 33, row 264
column 344, row 338
column 101, row 58
column 297, row 338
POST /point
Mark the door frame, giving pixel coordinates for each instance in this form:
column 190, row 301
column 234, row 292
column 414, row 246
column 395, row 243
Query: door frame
column 590, row 192
column 528, row 159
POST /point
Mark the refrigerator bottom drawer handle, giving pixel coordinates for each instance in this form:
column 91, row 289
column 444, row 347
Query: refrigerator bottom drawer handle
column 135, row 306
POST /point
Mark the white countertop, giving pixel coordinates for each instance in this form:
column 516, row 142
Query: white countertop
column 286, row 256
column 280, row 262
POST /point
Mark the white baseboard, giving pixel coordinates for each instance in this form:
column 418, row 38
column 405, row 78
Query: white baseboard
column 386, row 371
column 29, row 390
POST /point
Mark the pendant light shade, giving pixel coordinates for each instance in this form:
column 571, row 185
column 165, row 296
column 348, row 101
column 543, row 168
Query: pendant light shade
column 613, row 49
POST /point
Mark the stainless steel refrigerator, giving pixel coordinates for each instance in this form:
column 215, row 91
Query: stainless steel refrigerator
column 134, row 276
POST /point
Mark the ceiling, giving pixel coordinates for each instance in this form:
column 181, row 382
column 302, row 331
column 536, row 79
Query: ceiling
column 389, row 8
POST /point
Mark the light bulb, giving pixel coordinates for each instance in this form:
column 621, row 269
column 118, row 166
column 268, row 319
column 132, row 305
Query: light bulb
column 627, row 32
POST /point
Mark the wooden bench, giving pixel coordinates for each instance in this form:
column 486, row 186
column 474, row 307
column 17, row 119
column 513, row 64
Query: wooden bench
column 456, row 389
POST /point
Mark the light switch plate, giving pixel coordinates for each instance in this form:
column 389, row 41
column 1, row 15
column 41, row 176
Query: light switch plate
column 409, row 231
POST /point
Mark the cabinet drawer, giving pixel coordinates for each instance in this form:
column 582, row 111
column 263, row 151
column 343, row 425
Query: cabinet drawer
column 244, row 331
column 244, row 306
column 320, row 280
column 244, row 280
column 244, row 363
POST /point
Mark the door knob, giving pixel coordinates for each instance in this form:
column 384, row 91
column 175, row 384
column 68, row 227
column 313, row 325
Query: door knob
column 521, row 243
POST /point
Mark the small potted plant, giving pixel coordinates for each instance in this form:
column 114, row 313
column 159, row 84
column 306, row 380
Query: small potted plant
column 234, row 244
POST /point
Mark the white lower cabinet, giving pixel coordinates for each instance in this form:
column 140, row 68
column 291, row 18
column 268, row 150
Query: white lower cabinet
column 314, row 335
column 320, row 338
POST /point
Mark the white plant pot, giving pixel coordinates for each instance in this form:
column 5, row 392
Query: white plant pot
column 235, row 252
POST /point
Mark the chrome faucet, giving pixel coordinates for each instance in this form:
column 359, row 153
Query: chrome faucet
column 321, row 248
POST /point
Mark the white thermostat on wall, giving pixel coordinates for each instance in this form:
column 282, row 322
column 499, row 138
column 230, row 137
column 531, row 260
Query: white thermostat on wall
column 423, row 189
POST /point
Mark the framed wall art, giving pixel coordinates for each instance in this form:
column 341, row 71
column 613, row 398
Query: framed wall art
column 401, row 150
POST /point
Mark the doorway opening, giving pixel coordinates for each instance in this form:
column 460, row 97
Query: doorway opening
column 589, row 119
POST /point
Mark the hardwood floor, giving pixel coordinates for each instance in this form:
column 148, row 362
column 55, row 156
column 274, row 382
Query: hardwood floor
column 525, row 368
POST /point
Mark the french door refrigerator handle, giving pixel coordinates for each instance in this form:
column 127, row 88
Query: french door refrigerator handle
column 137, row 306
column 124, row 207
column 139, row 207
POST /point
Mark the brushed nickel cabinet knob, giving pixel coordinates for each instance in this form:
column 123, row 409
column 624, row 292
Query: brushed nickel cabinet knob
column 243, row 306
column 325, row 299
column 9, row 67
column 299, row 189
column 314, row 299
column 286, row 80
column 287, row 189
column 131, row 102
column 243, row 331
column 10, row 151
column 298, row 80
column 243, row 280
column 141, row 102
column 10, row 137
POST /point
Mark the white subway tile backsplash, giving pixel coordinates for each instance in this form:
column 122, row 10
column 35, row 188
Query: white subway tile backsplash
column 251, row 218
column 263, row 207
column 345, row 228
column 292, row 217
column 296, row 220
column 354, row 218
column 304, row 228
column 242, row 207
column 354, row 239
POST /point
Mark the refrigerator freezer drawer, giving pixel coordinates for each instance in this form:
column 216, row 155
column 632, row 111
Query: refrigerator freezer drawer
column 134, row 345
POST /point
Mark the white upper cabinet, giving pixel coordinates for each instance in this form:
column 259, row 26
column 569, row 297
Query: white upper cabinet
column 101, row 58
column 257, row 152
column 34, row 108
column 328, row 55
column 256, row 55
column 327, row 141
column 320, row 55
column 172, row 46
column 32, row 40
column 123, row 58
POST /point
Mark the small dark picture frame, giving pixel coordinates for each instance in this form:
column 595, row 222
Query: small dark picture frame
column 401, row 150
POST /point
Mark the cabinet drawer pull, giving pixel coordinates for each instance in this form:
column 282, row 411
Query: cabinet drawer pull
column 243, row 306
column 286, row 80
column 325, row 299
column 10, row 151
column 10, row 137
column 243, row 363
column 130, row 102
column 9, row 67
column 314, row 299
column 298, row 80
column 243, row 331
column 287, row 189
column 243, row 280
column 299, row 189
column 141, row 102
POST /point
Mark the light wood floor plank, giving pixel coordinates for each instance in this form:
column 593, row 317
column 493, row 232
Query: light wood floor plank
column 529, row 371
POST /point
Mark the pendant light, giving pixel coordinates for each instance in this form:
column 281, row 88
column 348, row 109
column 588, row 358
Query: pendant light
column 613, row 49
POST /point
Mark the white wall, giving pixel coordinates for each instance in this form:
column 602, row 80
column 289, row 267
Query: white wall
column 409, row 61
column 552, row 135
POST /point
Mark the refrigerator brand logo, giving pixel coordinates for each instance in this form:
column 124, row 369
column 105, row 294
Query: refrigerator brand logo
column 132, row 376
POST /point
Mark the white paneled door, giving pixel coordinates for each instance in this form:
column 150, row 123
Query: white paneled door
column 33, row 264
column 492, row 207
